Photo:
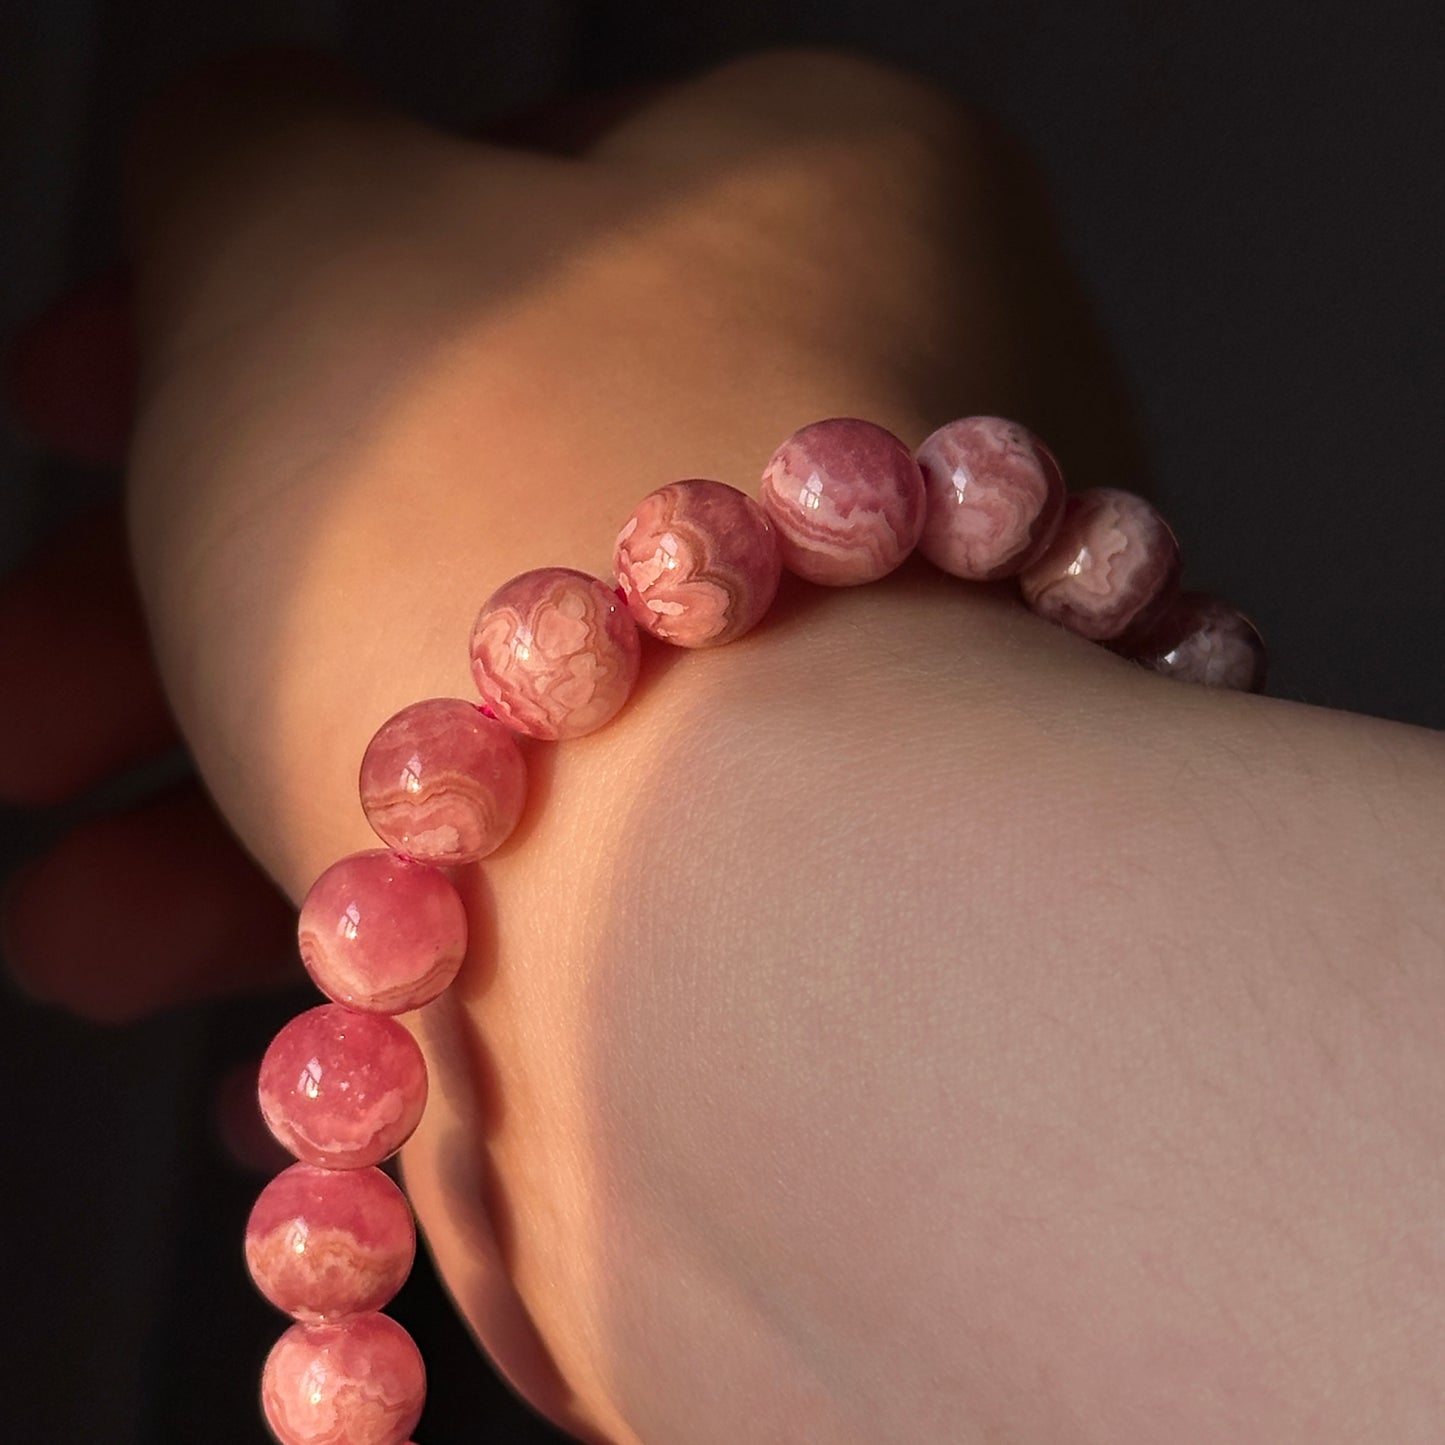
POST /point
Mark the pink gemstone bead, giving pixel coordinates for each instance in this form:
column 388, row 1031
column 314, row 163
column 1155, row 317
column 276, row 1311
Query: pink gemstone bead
column 381, row 933
column 1200, row 638
column 847, row 499
column 361, row 1382
column 322, row 1245
column 995, row 496
column 442, row 783
column 555, row 653
column 698, row 563
column 342, row 1089
column 1112, row 562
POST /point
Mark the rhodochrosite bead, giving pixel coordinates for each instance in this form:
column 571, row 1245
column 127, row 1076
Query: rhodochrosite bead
column 1113, row 560
column 1200, row 638
column 443, row 783
column 342, row 1089
column 847, row 499
column 322, row 1245
column 380, row 933
column 995, row 496
column 555, row 653
column 360, row 1382
column 698, row 563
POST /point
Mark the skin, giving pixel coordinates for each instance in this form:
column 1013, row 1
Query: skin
column 909, row 1023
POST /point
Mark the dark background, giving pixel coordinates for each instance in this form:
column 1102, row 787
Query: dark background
column 1252, row 195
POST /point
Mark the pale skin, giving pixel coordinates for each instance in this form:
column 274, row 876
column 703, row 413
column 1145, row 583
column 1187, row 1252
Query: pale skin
column 911, row 1023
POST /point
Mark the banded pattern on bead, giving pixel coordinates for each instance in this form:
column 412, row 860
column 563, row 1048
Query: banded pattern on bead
column 360, row 1382
column 443, row 783
column 1201, row 639
column 995, row 496
column 699, row 563
column 554, row 653
column 1111, row 562
column 848, row 501
column 322, row 1244
column 342, row 1089
column 381, row 933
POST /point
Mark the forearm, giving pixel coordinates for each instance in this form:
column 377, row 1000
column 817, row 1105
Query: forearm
column 951, row 1006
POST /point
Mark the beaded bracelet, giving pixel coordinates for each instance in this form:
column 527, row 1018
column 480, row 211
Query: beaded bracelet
column 555, row 654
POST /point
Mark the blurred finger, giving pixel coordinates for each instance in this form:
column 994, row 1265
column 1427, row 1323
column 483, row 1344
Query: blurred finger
column 82, row 698
column 139, row 911
column 71, row 372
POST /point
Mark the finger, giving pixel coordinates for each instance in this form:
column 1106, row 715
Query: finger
column 82, row 698
column 134, row 912
column 71, row 372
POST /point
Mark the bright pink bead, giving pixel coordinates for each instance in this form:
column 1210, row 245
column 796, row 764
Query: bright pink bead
column 342, row 1089
column 381, row 933
column 847, row 499
column 442, row 783
column 995, row 496
column 361, row 1382
column 1200, row 638
column 1112, row 563
column 555, row 653
column 323, row 1244
column 698, row 563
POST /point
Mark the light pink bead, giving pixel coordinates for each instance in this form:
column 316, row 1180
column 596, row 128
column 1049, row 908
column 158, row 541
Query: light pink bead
column 1200, row 638
column 443, row 783
column 698, row 563
column 847, row 499
column 342, row 1089
column 361, row 1382
column 995, row 496
column 1112, row 562
column 322, row 1245
column 555, row 653
column 381, row 933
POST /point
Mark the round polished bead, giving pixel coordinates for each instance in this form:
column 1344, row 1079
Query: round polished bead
column 323, row 1245
column 361, row 1382
column 381, row 933
column 555, row 653
column 995, row 496
column 847, row 499
column 342, row 1089
column 1199, row 638
column 699, row 563
column 442, row 782
column 1111, row 564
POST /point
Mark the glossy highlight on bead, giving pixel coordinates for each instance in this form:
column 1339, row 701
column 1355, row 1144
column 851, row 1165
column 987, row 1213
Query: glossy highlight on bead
column 342, row 1089
column 847, row 499
column 443, row 783
column 698, row 563
column 323, row 1244
column 381, row 933
column 555, row 653
column 360, row 1382
column 995, row 497
column 1112, row 563
column 1200, row 638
